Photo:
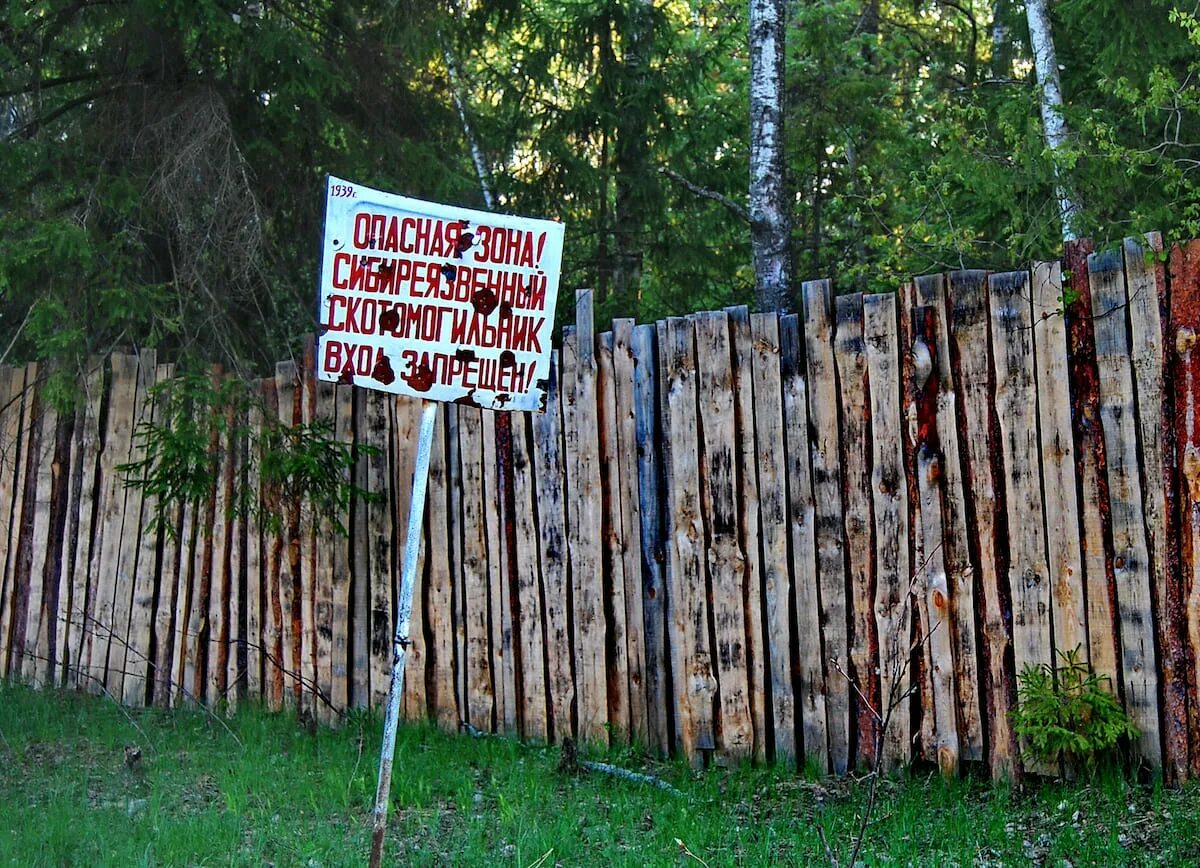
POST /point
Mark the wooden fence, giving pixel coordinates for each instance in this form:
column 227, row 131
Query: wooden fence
column 730, row 534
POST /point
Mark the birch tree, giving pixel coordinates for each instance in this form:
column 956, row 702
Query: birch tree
column 770, row 227
column 1054, row 125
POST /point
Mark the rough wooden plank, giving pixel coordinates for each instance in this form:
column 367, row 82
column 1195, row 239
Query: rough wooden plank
column 306, row 555
column 534, row 722
column 934, row 582
column 479, row 673
column 454, row 519
column 1016, row 408
column 84, row 457
column 1185, row 343
column 440, row 570
column 168, row 579
column 255, row 558
column 974, row 380
column 331, row 548
column 804, row 608
column 849, row 351
column 360, row 586
column 924, row 738
column 340, row 567
column 146, row 574
column 771, row 467
column 44, row 475
column 1149, row 312
column 1131, row 557
column 11, row 380
column 108, row 563
column 617, row 633
column 275, row 650
column 381, row 539
column 827, row 493
column 1058, row 464
column 1095, row 534
column 653, row 553
column 687, row 597
column 498, row 599
column 893, row 583
column 719, row 484
column 221, row 583
column 742, row 340
column 584, row 522
column 12, row 625
column 549, row 479
column 407, row 425
column 629, row 510
column 179, row 689
column 12, row 492
column 955, row 545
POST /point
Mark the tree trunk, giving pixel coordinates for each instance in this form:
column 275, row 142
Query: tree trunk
column 1054, row 125
column 477, row 158
column 632, row 153
column 769, row 209
column 1002, row 54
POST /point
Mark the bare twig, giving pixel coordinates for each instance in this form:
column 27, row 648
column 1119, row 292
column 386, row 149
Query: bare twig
column 705, row 193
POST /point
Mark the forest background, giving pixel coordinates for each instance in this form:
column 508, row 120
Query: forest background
column 163, row 162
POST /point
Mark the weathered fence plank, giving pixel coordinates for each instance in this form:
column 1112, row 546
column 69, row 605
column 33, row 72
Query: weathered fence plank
column 934, row 582
column 629, row 511
column 480, row 698
column 1185, row 330
column 613, row 533
column 975, row 381
column 893, row 574
column 1058, row 465
column 107, row 564
column 138, row 657
column 440, row 566
column 742, row 339
column 719, row 482
column 652, row 545
column 1131, row 558
column 850, row 355
column 804, row 608
column 827, row 494
column 585, row 523
column 956, row 555
column 81, row 517
column 1149, row 311
column 1016, row 411
column 687, row 596
column 552, row 545
column 1095, row 535
column 534, row 721
column 771, row 464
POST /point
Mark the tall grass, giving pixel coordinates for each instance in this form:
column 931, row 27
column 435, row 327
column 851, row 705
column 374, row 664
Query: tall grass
column 279, row 795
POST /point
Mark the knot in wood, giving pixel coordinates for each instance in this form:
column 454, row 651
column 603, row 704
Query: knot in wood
column 1185, row 341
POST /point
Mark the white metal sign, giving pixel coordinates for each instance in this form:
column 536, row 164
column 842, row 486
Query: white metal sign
column 434, row 301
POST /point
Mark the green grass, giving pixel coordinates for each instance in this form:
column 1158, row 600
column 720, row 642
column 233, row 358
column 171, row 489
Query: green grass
column 285, row 797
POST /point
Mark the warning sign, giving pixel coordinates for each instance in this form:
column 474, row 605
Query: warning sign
column 435, row 301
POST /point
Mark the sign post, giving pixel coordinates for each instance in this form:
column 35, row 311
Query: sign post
column 441, row 304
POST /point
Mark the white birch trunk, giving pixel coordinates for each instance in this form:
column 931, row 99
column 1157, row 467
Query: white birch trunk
column 477, row 158
column 1054, row 126
column 769, row 210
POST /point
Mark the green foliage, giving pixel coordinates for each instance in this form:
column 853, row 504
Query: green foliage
column 200, row 420
column 1069, row 714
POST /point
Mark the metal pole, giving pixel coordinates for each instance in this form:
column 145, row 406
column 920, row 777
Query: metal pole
column 412, row 546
